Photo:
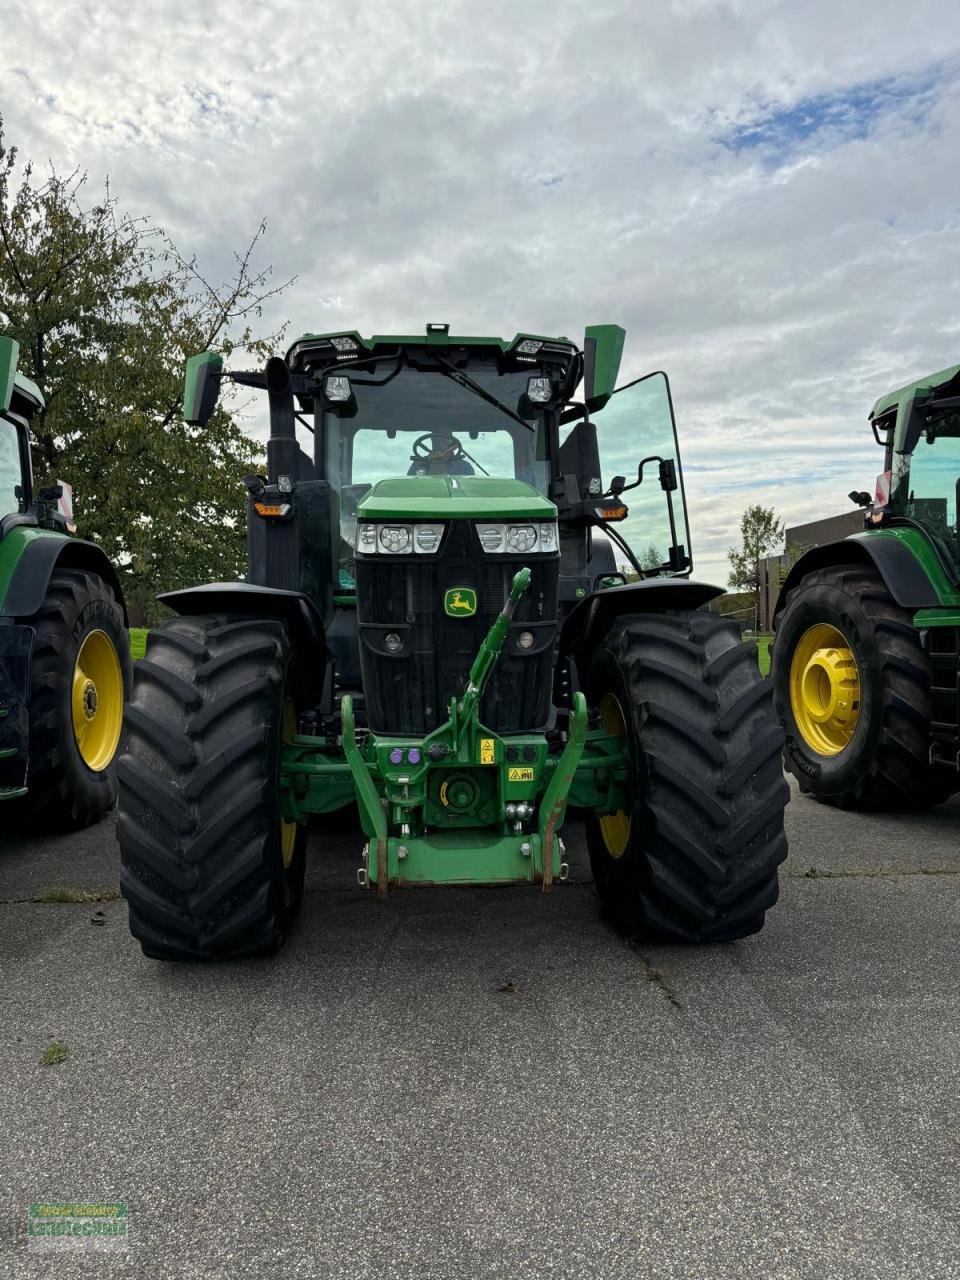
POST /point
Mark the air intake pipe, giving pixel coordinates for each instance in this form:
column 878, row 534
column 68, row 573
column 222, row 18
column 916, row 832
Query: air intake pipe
column 282, row 447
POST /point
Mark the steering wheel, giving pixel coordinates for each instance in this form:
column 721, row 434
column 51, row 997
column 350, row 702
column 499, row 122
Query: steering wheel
column 452, row 453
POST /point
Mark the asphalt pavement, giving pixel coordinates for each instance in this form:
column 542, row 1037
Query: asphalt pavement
column 488, row 1082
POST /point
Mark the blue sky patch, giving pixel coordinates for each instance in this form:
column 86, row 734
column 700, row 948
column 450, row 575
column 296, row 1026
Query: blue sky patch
column 842, row 116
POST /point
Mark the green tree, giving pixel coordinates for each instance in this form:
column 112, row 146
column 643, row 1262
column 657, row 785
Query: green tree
column 761, row 533
column 652, row 558
column 106, row 310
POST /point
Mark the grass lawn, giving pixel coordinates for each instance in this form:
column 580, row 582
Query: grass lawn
column 138, row 642
column 763, row 653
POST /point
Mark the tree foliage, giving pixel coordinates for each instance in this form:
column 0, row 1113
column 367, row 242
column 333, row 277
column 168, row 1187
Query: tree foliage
column 761, row 534
column 106, row 310
column 653, row 557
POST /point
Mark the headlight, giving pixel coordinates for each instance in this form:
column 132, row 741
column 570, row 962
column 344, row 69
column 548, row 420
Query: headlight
column 518, row 539
column 426, row 537
column 521, row 537
column 539, row 390
column 548, row 537
column 367, row 538
column 337, row 388
column 394, row 538
column 343, row 345
column 397, row 539
column 492, row 536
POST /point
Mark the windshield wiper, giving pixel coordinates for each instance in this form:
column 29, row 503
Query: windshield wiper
column 464, row 380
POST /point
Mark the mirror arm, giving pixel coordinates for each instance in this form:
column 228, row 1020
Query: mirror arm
column 616, row 490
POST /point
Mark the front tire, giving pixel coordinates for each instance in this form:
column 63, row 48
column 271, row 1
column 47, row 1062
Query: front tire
column 694, row 856
column 80, row 674
column 852, row 690
column 209, row 869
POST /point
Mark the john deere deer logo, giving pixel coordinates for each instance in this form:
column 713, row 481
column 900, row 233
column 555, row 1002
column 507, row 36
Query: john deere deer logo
column 460, row 602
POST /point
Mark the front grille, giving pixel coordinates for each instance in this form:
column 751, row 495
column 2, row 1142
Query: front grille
column 410, row 692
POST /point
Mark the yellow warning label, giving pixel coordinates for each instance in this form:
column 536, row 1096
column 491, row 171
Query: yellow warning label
column 487, row 751
column 519, row 775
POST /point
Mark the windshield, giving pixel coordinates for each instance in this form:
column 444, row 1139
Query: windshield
column 422, row 422
column 926, row 482
column 9, row 467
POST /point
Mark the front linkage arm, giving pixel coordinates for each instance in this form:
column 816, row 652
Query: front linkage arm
column 462, row 712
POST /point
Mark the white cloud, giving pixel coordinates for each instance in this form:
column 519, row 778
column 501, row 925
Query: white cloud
column 765, row 195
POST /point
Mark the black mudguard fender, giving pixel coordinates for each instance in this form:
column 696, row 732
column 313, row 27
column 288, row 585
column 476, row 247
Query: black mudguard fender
column 31, row 578
column 293, row 608
column 900, row 569
column 590, row 619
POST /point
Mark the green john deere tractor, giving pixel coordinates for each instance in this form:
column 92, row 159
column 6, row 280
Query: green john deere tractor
column 434, row 629
column 865, row 659
column 64, row 654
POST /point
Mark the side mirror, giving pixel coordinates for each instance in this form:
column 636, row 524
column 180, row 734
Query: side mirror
column 201, row 387
column 602, row 350
column 9, row 359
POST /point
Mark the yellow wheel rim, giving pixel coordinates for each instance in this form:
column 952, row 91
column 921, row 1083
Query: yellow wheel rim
column 614, row 827
column 97, row 700
column 288, row 830
column 825, row 689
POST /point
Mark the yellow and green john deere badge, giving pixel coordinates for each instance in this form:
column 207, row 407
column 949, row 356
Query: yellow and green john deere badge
column 460, row 602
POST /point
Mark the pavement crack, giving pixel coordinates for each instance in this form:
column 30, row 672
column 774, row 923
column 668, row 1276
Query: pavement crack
column 870, row 873
column 658, row 978
column 65, row 895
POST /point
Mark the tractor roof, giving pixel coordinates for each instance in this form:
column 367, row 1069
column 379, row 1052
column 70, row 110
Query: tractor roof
column 29, row 392
column 16, row 392
column 930, row 383
column 437, row 335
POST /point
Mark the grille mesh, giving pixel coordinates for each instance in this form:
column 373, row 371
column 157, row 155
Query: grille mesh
column 410, row 693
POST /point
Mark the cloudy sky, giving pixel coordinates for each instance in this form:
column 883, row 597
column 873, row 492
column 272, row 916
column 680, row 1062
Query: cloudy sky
column 766, row 195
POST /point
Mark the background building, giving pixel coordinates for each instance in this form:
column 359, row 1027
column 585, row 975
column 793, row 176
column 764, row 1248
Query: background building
column 798, row 539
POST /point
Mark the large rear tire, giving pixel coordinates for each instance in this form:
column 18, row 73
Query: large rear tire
column 852, row 690
column 80, row 674
column 694, row 857
column 209, row 869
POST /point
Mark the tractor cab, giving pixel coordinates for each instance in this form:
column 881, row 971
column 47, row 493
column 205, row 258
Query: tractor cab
column 20, row 399
column 919, row 427
column 479, row 407
column 441, row 463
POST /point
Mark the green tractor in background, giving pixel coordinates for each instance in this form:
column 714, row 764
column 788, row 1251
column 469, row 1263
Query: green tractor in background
column 865, row 659
column 434, row 629
column 64, row 654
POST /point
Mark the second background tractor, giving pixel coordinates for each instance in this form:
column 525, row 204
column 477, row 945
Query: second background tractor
column 865, row 657
column 64, row 652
